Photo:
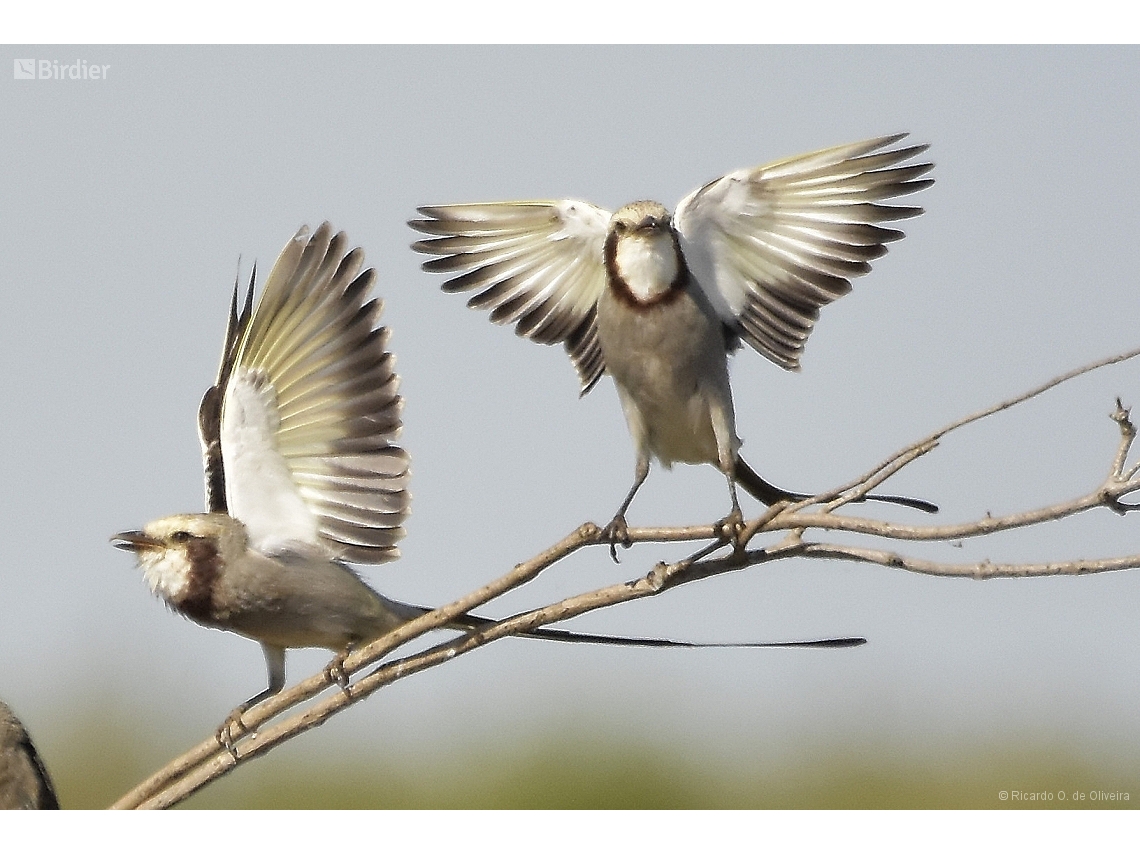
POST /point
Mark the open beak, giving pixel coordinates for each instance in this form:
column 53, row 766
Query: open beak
column 134, row 541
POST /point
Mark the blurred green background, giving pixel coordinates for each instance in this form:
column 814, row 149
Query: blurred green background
column 565, row 767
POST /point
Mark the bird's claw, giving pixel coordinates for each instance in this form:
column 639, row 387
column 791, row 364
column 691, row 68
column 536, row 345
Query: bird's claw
column 231, row 730
column 336, row 673
column 731, row 528
column 617, row 532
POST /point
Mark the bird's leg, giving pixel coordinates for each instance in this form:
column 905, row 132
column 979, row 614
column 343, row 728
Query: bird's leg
column 232, row 728
column 732, row 525
column 727, row 447
column 616, row 531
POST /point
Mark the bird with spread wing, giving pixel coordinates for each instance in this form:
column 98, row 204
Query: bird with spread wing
column 659, row 302
column 303, row 474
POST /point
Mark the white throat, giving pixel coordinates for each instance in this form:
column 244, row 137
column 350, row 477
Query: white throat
column 167, row 572
column 647, row 263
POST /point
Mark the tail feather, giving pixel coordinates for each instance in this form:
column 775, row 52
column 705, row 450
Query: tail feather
column 474, row 622
column 769, row 494
column 469, row 622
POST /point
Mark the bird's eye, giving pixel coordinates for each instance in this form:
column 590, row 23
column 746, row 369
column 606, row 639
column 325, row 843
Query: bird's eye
column 620, row 227
column 180, row 536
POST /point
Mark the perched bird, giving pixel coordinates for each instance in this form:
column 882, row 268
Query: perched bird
column 660, row 302
column 302, row 473
column 24, row 782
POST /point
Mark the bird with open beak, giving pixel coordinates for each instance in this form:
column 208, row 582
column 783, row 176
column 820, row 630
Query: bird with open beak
column 303, row 475
column 302, row 471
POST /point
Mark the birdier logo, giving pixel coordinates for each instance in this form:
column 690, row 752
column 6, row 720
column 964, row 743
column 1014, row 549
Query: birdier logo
column 51, row 69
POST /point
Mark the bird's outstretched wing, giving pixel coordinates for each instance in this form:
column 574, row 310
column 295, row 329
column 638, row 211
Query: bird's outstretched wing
column 538, row 265
column 774, row 244
column 306, row 410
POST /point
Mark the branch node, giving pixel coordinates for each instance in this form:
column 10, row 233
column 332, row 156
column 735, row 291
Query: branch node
column 771, row 512
column 1121, row 416
column 658, row 576
column 793, row 540
column 984, row 569
column 588, row 531
column 1115, row 505
column 1127, row 434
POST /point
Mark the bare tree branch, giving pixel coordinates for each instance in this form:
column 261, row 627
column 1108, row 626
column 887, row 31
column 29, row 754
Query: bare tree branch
column 984, row 569
column 996, row 408
column 210, row 759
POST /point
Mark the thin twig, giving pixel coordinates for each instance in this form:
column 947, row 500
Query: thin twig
column 976, row 570
column 989, row 411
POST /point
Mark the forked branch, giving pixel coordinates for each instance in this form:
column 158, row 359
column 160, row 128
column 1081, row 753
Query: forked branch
column 725, row 551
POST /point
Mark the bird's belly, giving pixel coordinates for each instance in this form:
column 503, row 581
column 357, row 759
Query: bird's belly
column 664, row 361
column 680, row 432
column 284, row 625
column 313, row 604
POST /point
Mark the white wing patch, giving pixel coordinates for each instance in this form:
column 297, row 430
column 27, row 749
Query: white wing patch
column 772, row 245
column 311, row 410
column 268, row 500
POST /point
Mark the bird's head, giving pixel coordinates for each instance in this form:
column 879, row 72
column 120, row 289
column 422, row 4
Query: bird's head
column 643, row 218
column 180, row 556
column 642, row 252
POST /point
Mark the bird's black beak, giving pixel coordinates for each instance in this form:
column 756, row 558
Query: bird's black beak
column 134, row 541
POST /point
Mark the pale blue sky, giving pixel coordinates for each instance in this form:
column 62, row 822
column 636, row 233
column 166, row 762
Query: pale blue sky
column 128, row 201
